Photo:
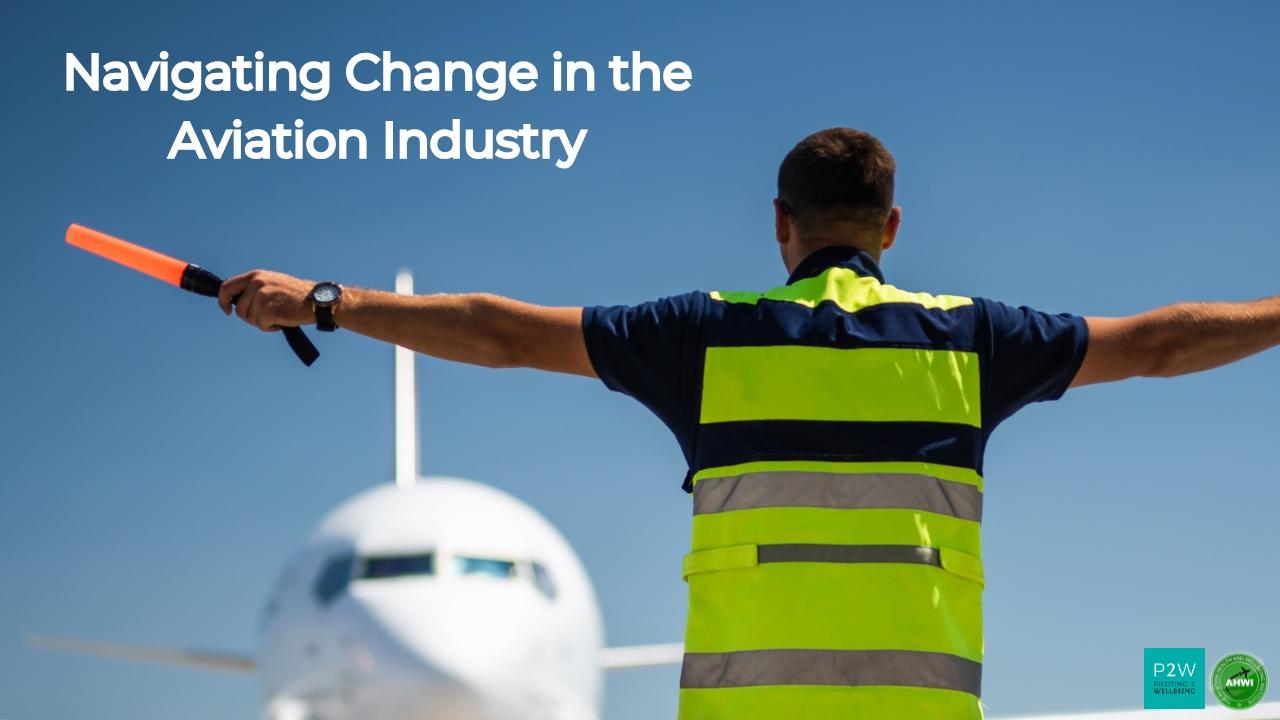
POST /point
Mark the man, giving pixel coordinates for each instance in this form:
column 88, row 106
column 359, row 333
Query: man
column 834, row 429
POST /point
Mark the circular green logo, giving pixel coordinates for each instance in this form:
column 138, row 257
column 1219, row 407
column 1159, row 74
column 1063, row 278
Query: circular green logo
column 1239, row 681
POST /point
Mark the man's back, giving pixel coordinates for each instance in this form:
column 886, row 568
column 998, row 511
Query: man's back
column 835, row 427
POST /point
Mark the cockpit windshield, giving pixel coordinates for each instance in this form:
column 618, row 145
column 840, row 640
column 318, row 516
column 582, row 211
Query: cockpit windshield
column 339, row 570
column 485, row 566
column 394, row 566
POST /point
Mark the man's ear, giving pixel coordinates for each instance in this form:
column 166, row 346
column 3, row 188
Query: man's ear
column 781, row 222
column 891, row 228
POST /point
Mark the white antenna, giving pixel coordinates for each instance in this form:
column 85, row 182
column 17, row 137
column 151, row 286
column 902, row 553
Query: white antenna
column 406, row 402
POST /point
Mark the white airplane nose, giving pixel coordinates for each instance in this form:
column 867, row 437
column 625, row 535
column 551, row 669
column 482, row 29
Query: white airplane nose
column 402, row 682
column 420, row 696
column 435, row 661
column 467, row 631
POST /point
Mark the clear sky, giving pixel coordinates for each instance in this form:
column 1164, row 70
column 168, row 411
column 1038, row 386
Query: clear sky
column 158, row 462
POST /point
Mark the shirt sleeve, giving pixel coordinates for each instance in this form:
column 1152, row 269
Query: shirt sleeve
column 650, row 352
column 1031, row 356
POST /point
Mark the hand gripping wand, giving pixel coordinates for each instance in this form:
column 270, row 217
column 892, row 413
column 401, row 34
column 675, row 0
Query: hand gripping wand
column 188, row 276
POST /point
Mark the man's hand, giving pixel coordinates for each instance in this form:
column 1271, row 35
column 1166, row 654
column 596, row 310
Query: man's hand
column 268, row 300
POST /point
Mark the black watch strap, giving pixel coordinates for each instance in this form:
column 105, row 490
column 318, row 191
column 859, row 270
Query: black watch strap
column 324, row 318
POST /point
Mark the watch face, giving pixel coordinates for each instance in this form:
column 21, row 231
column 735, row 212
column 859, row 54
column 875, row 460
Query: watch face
column 325, row 293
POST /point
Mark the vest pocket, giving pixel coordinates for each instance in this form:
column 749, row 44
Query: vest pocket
column 963, row 564
column 734, row 557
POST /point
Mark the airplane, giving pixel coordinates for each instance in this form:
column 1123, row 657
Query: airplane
column 430, row 598
column 435, row 598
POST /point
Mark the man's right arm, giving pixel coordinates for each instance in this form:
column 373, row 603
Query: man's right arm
column 474, row 328
column 1177, row 339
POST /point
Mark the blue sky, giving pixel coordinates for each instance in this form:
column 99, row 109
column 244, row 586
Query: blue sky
column 158, row 462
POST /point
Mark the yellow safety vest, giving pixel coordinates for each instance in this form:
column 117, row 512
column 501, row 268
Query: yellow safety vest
column 835, row 569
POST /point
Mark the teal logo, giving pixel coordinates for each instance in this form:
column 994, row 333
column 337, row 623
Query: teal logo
column 1173, row 678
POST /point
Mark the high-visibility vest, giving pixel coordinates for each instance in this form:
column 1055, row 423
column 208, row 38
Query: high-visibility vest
column 835, row 569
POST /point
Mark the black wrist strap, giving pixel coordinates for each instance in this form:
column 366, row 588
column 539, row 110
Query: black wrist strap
column 324, row 318
column 301, row 345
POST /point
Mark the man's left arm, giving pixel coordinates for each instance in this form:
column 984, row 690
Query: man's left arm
column 1178, row 339
column 474, row 328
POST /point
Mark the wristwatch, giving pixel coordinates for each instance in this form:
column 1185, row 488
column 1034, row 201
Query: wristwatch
column 325, row 297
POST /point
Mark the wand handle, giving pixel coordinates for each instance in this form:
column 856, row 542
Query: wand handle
column 202, row 282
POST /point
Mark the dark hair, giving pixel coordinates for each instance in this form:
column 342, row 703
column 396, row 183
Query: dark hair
column 837, row 175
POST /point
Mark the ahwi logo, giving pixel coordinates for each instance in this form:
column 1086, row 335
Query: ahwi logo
column 1174, row 678
column 1239, row 681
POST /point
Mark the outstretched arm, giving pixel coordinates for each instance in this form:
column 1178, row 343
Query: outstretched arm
column 474, row 328
column 1178, row 339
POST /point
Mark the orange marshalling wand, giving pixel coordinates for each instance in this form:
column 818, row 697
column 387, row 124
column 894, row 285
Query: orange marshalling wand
column 185, row 275
column 148, row 262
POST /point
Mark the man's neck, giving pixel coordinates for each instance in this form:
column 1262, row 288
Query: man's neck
column 809, row 246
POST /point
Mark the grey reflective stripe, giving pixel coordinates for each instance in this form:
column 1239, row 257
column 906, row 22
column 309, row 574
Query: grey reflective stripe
column 799, row 552
column 831, row 667
column 837, row 490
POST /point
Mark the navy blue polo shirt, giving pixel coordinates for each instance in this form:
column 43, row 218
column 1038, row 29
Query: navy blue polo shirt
column 654, row 351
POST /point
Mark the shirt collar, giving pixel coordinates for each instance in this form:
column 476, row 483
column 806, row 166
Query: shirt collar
column 836, row 255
